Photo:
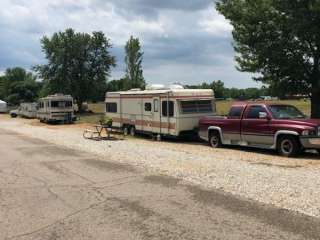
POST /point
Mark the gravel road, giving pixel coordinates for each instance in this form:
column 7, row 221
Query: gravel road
column 292, row 184
column 50, row 192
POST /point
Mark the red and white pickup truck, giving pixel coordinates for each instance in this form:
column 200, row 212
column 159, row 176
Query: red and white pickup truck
column 271, row 126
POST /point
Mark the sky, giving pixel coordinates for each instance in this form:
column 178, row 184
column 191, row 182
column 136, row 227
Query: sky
column 184, row 41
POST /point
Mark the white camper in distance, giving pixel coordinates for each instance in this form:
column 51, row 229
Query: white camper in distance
column 3, row 107
column 56, row 108
column 173, row 112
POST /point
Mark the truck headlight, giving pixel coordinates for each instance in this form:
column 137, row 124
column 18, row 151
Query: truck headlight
column 309, row 133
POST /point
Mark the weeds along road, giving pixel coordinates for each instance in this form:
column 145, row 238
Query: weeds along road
column 51, row 192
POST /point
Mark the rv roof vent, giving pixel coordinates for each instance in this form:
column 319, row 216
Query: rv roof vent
column 156, row 87
column 176, row 86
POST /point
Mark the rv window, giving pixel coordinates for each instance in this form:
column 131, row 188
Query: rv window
column 200, row 106
column 165, row 108
column 147, row 107
column 111, row 107
column 156, row 105
column 59, row 104
column 68, row 103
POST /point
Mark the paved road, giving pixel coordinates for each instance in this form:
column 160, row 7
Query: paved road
column 49, row 192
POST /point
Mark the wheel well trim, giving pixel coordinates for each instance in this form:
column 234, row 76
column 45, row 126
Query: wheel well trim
column 214, row 128
column 283, row 132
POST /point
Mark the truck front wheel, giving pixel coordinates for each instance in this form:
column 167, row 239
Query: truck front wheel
column 288, row 146
column 215, row 140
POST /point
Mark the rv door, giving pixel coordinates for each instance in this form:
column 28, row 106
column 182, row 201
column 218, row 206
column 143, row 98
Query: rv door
column 156, row 125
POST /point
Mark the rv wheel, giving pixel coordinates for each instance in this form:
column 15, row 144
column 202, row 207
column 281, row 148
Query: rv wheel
column 125, row 130
column 132, row 131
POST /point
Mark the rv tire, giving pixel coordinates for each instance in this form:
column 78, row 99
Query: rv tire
column 125, row 130
column 132, row 131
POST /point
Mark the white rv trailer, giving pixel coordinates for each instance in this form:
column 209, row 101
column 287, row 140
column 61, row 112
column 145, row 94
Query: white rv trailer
column 28, row 110
column 56, row 108
column 173, row 112
column 3, row 107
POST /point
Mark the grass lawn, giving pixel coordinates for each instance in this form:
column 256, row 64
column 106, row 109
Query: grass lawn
column 222, row 109
column 91, row 118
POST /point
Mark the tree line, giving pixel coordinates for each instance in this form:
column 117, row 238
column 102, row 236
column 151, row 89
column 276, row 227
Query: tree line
column 222, row 92
column 278, row 40
column 78, row 64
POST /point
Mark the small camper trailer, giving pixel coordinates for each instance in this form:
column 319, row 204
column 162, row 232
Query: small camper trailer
column 173, row 112
column 28, row 110
column 3, row 107
column 56, row 108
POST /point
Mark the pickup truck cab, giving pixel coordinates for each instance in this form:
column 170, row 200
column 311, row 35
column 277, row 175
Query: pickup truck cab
column 263, row 125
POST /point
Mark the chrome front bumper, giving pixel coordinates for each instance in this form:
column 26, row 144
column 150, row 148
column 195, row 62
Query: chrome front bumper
column 310, row 142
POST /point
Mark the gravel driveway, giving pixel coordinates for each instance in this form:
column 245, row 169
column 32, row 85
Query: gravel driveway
column 292, row 184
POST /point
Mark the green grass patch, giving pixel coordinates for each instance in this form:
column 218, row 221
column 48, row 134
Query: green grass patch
column 91, row 118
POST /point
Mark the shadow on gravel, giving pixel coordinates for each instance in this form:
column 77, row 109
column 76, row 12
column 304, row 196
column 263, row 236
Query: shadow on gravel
column 308, row 155
column 165, row 181
column 292, row 222
column 108, row 166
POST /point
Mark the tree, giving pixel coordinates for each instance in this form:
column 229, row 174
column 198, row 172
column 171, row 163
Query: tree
column 78, row 64
column 218, row 88
column 18, row 86
column 279, row 40
column 133, row 61
column 2, row 87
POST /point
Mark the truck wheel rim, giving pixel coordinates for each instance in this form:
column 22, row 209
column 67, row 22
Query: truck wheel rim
column 214, row 141
column 286, row 146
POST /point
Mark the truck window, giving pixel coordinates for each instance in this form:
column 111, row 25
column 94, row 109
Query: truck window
column 165, row 111
column 200, row 106
column 111, row 107
column 147, row 107
column 253, row 112
column 235, row 112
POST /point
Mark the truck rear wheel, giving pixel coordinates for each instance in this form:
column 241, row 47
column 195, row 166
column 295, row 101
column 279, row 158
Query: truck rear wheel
column 215, row 140
column 288, row 146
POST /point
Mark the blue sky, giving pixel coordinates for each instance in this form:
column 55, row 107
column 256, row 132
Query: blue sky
column 184, row 41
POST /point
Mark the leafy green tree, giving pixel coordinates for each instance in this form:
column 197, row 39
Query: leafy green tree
column 133, row 60
column 218, row 88
column 2, row 87
column 279, row 40
column 18, row 86
column 78, row 64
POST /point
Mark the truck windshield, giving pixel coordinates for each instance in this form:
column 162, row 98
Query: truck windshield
column 286, row 112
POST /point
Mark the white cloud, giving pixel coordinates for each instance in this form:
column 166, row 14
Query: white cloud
column 188, row 41
column 215, row 24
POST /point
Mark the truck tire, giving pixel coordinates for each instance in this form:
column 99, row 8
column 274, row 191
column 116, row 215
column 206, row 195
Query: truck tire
column 288, row 146
column 215, row 140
